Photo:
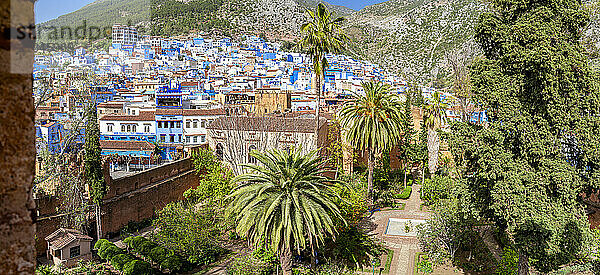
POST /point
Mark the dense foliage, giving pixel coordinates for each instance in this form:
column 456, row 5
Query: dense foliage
column 189, row 231
column 285, row 202
column 526, row 170
column 435, row 189
column 215, row 179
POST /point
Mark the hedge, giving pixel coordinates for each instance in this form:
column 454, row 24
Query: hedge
column 109, row 250
column 137, row 267
column 146, row 247
column 159, row 254
column 172, row 263
column 119, row 261
column 405, row 193
column 99, row 243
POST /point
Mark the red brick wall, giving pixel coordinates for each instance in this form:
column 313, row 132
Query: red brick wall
column 131, row 198
column 143, row 203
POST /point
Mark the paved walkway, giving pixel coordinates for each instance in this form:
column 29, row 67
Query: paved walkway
column 404, row 248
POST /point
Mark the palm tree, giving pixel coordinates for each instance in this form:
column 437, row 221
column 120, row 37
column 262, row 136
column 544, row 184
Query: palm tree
column 435, row 117
column 373, row 123
column 321, row 35
column 285, row 202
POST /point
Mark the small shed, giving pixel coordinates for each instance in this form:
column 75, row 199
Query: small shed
column 68, row 246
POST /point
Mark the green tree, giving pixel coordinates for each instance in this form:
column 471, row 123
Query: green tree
column 93, row 174
column 407, row 147
column 435, row 117
column 286, row 203
column 527, row 169
column 322, row 35
column 373, row 123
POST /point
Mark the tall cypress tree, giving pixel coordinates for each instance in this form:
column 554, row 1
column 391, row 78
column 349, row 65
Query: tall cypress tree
column 93, row 165
column 526, row 170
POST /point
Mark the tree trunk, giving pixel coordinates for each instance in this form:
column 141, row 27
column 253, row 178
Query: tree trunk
column 371, row 167
column 98, row 221
column 523, row 264
column 317, row 109
column 433, row 148
column 285, row 260
column 405, row 171
column 423, row 174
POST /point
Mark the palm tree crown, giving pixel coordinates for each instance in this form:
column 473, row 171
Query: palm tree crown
column 322, row 35
column 285, row 202
column 373, row 120
column 435, row 111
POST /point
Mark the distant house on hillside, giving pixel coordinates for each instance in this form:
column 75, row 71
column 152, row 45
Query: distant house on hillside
column 233, row 138
column 67, row 247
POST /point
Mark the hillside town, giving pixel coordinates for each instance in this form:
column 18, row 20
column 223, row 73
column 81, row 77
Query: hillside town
column 300, row 138
column 168, row 91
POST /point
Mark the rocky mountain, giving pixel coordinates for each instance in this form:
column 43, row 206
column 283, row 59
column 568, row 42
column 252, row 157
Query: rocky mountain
column 413, row 37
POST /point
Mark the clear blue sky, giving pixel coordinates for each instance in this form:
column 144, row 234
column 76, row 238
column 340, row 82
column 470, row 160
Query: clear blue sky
column 50, row 9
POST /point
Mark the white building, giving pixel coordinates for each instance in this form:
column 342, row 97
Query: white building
column 195, row 123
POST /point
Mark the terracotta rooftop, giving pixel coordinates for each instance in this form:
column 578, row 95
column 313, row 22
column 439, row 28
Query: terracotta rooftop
column 126, row 145
column 142, row 116
column 64, row 236
column 191, row 112
column 266, row 124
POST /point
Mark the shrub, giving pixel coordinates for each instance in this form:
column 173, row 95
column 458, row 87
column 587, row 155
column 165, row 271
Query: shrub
column 245, row 265
column 119, row 261
column 172, row 263
column 137, row 267
column 159, row 254
column 109, row 251
column 99, row 243
column 424, row 265
column 206, row 256
column 405, row 193
column 435, row 189
column 509, row 263
column 135, row 242
column 146, row 247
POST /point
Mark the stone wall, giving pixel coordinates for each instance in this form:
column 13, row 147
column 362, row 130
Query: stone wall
column 17, row 147
column 131, row 198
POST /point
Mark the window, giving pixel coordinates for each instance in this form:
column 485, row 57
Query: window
column 196, row 139
column 162, row 138
column 251, row 159
column 133, row 128
column 202, row 138
column 122, row 127
column 57, row 253
column 203, row 124
column 110, row 127
column 172, row 124
column 187, row 123
column 172, row 139
column 147, row 128
column 128, row 128
column 74, row 251
column 196, row 123
column 178, row 124
column 187, row 139
column 159, row 124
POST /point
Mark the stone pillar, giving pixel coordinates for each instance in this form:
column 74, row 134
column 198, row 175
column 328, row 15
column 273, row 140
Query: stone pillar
column 17, row 147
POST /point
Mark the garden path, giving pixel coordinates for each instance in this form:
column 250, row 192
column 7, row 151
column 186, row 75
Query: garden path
column 404, row 247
